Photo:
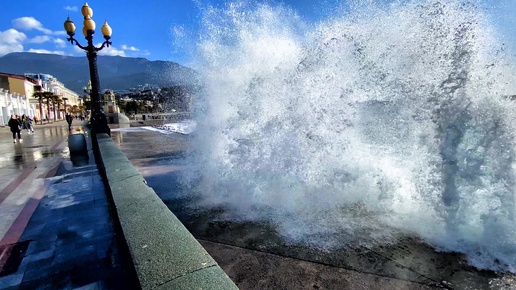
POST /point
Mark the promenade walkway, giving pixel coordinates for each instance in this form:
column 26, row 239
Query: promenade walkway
column 55, row 227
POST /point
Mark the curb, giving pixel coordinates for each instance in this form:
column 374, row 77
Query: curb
column 164, row 253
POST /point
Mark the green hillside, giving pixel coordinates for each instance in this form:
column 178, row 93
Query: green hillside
column 115, row 72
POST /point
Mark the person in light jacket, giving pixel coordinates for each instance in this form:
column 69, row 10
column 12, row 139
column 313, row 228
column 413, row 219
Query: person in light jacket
column 27, row 123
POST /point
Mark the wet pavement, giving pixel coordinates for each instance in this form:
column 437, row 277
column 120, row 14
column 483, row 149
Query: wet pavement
column 55, row 229
column 255, row 257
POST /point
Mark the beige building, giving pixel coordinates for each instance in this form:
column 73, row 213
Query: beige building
column 17, row 84
column 49, row 83
column 109, row 103
column 111, row 109
column 16, row 96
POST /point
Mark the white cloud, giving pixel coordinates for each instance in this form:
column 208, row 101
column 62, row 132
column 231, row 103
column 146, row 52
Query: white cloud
column 145, row 53
column 71, row 8
column 40, row 39
column 131, row 48
column 77, row 49
column 105, row 51
column 12, row 36
column 59, row 42
column 134, row 51
column 11, row 41
column 112, row 51
column 6, row 49
column 60, row 52
column 29, row 23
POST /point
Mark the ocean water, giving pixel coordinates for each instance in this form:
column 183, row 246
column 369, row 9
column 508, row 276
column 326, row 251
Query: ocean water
column 375, row 123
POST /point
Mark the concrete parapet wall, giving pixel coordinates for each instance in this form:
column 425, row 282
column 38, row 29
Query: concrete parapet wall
column 164, row 253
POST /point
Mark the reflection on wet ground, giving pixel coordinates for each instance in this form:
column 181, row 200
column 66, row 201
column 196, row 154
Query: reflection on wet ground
column 34, row 147
column 56, row 230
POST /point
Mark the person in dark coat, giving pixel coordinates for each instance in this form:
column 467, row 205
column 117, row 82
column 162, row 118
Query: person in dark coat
column 15, row 125
column 69, row 120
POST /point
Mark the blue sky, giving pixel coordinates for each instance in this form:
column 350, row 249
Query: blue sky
column 148, row 28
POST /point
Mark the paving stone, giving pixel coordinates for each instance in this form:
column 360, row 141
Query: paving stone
column 37, row 268
column 41, row 255
column 11, row 281
column 70, row 233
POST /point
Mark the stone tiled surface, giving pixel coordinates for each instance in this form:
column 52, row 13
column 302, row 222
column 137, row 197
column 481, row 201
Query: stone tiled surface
column 72, row 242
column 70, row 237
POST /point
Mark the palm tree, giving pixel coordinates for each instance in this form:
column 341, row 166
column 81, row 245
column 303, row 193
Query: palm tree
column 48, row 97
column 73, row 110
column 40, row 96
column 56, row 100
column 64, row 100
column 82, row 109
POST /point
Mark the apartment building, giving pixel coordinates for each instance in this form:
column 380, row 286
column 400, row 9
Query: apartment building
column 16, row 96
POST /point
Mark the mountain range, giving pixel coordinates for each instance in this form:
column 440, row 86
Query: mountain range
column 115, row 72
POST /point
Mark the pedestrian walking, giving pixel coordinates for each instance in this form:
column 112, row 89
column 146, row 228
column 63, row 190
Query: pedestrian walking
column 27, row 124
column 69, row 120
column 15, row 125
column 31, row 127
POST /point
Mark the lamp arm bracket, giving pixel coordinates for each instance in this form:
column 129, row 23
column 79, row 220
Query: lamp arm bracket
column 106, row 43
column 74, row 41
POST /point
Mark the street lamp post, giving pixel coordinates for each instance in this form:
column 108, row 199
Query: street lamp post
column 98, row 118
column 87, row 97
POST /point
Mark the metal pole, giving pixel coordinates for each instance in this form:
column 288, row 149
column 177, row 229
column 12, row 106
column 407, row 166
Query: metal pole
column 98, row 118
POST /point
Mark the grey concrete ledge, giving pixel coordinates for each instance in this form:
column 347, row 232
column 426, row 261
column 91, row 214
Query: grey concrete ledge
column 164, row 253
